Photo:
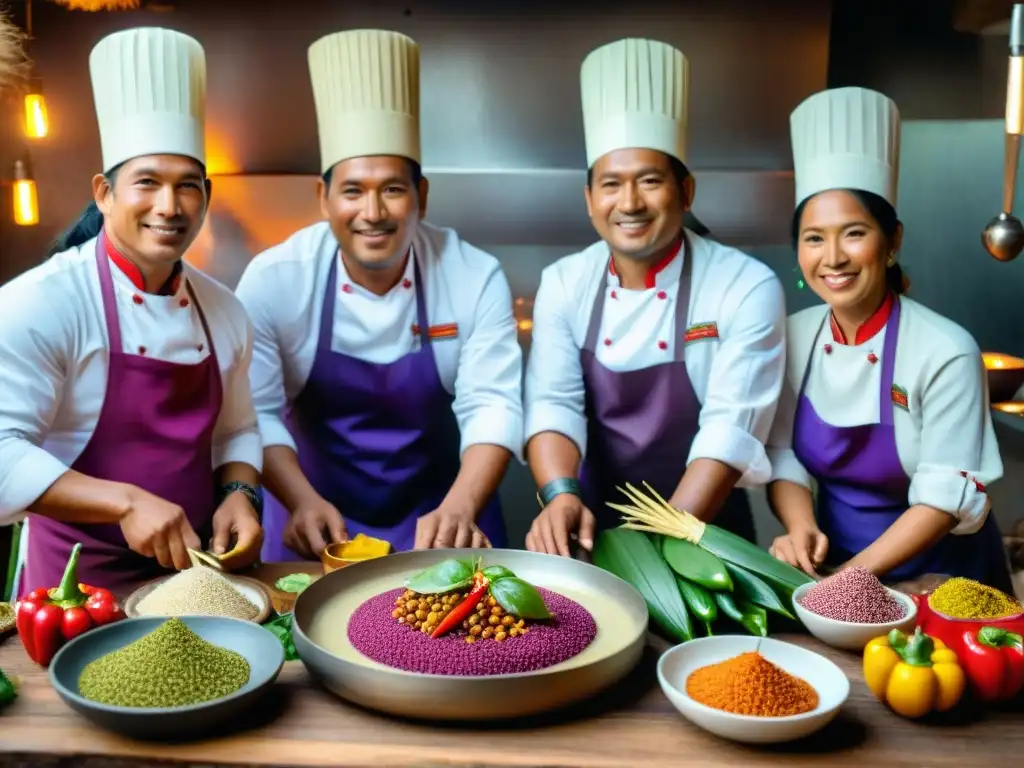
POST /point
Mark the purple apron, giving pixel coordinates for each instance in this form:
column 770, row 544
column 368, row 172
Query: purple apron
column 155, row 432
column 863, row 488
column 378, row 441
column 640, row 424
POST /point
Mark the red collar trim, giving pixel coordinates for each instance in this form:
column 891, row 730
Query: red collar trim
column 869, row 329
column 650, row 279
column 135, row 274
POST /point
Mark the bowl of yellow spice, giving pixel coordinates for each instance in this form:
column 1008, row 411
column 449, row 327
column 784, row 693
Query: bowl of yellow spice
column 167, row 679
column 752, row 690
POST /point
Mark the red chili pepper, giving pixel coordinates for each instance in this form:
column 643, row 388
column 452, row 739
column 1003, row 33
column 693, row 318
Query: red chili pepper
column 47, row 618
column 459, row 613
column 994, row 662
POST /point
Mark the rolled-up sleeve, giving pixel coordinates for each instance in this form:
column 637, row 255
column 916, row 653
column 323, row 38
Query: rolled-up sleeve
column 266, row 371
column 488, row 386
column 36, row 335
column 744, row 384
column 784, row 463
column 959, row 455
column 236, row 437
column 555, row 396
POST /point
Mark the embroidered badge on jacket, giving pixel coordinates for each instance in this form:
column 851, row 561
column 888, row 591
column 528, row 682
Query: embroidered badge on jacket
column 900, row 397
column 701, row 332
column 446, row 331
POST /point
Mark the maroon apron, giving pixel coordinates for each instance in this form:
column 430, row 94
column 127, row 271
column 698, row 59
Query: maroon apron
column 640, row 424
column 154, row 431
column 379, row 441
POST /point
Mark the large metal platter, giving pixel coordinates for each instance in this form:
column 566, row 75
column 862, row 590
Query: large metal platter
column 320, row 632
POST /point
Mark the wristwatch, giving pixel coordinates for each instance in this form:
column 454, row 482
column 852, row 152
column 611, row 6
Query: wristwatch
column 252, row 492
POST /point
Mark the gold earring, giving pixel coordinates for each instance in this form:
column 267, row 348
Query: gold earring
column 892, row 260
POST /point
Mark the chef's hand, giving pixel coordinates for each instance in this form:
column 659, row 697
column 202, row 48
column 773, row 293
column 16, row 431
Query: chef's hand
column 444, row 529
column 803, row 548
column 236, row 527
column 564, row 518
column 157, row 528
column 308, row 526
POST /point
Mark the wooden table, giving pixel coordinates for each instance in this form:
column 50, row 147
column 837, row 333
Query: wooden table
column 631, row 725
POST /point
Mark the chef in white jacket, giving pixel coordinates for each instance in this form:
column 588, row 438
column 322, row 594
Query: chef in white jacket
column 126, row 421
column 387, row 368
column 886, row 402
column 657, row 354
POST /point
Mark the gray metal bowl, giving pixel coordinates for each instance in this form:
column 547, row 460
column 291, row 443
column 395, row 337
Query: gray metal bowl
column 463, row 697
column 259, row 647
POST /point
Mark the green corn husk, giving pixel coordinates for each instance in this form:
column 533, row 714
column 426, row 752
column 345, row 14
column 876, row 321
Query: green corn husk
column 752, row 588
column 632, row 557
column 695, row 564
column 752, row 618
column 652, row 514
column 698, row 600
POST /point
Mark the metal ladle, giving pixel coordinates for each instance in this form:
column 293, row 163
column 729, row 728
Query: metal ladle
column 1003, row 238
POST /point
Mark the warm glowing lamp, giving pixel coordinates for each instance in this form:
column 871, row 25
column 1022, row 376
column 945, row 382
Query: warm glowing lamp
column 26, row 201
column 37, row 121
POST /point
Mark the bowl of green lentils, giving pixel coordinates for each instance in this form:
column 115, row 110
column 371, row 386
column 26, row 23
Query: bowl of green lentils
column 167, row 679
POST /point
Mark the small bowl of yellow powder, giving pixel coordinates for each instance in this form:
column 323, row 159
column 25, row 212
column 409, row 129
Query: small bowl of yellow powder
column 960, row 598
column 168, row 679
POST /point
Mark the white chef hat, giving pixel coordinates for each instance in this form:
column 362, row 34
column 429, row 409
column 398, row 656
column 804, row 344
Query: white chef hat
column 635, row 96
column 846, row 138
column 366, row 87
column 149, row 85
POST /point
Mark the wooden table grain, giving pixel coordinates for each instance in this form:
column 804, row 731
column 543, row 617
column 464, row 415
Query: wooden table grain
column 633, row 724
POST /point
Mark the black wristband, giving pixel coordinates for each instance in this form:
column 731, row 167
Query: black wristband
column 559, row 486
column 253, row 493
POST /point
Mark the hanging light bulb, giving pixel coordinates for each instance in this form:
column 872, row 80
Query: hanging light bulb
column 26, row 200
column 37, row 120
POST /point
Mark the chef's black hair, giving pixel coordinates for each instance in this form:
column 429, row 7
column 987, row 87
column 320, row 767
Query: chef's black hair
column 678, row 167
column 884, row 214
column 90, row 222
column 415, row 170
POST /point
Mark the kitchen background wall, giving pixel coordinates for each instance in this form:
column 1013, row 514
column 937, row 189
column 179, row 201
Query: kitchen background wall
column 503, row 138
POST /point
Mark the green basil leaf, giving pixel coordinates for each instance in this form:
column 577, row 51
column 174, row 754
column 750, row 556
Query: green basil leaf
column 293, row 582
column 496, row 572
column 443, row 577
column 519, row 598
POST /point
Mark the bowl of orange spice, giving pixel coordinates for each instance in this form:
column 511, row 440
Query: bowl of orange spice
column 752, row 690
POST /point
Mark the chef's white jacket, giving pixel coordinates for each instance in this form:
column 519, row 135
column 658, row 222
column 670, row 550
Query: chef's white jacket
column 736, row 373
column 940, row 405
column 53, row 365
column 469, row 306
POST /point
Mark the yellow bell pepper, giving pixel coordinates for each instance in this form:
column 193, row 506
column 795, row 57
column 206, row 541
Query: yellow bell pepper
column 914, row 675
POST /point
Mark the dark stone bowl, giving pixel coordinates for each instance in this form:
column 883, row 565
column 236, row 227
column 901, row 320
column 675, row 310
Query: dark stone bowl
column 259, row 647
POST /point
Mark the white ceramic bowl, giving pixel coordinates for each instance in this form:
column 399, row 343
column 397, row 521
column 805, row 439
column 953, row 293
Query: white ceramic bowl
column 677, row 664
column 846, row 635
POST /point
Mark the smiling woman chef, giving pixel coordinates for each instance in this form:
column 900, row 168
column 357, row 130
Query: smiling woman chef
column 387, row 367
column 657, row 355
column 886, row 403
column 126, row 421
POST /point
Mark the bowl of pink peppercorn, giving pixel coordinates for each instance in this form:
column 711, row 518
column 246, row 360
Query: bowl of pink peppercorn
column 852, row 607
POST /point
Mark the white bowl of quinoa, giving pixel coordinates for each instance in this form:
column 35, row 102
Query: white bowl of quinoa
column 852, row 607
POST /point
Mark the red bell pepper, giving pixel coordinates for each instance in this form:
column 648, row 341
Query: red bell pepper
column 48, row 618
column 993, row 659
column 459, row 613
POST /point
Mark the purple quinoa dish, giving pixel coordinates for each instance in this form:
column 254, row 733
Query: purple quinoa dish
column 395, row 629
